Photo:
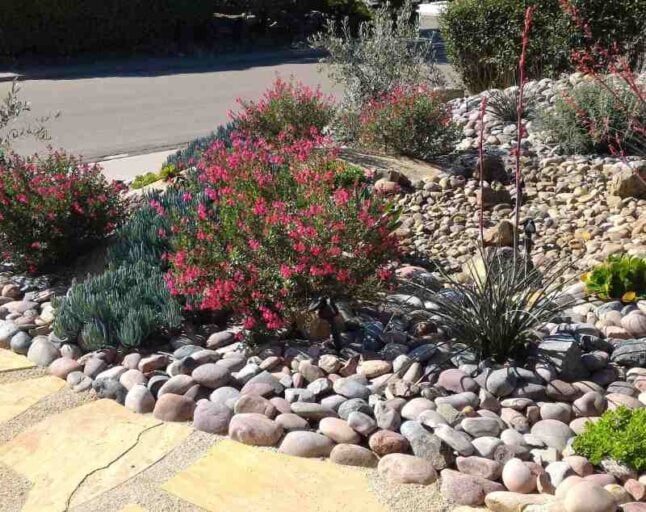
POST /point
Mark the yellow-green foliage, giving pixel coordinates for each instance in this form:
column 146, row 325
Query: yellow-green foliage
column 619, row 435
column 621, row 277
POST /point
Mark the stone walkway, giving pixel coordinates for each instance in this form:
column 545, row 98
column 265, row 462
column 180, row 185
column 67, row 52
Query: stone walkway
column 98, row 456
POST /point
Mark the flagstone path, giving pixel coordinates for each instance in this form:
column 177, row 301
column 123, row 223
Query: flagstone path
column 98, row 456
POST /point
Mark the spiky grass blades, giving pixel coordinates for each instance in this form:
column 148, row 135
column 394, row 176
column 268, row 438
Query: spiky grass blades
column 496, row 312
column 503, row 104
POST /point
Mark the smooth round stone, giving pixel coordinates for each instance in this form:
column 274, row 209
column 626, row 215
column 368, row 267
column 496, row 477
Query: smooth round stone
column 517, row 477
column 110, row 389
column 177, row 385
column 42, row 352
column 131, row 378
column 580, row 465
column 590, row 404
column 155, row 383
column 254, row 404
column 386, row 417
column 406, row 469
column 79, row 382
column 339, row 431
column 578, row 425
column 151, row 363
column 310, row 372
column 212, row 418
column 225, row 396
column 459, row 401
column 320, row 386
column 290, row 422
column 362, row 423
column 562, row 391
column 352, row 405
column 622, row 388
column 480, row 467
column 415, row 407
column 486, row 446
column 553, row 433
column 63, row 366
column 595, row 361
column 384, row 442
column 220, row 339
column 501, row 383
column 458, row 441
column 587, row 497
column 567, row 485
column 375, row 368
column 254, row 429
column 481, row 427
column 456, row 381
column 619, row 494
column 211, row 375
column 139, row 399
column 635, row 324
column 515, row 419
column 558, row 471
column 20, row 343
column 636, row 489
column 131, row 361
column 333, row 402
column 312, row 411
column 600, row 479
column 432, row 419
column 616, row 400
column 301, row 443
column 462, row 489
column 172, row 407
column 559, row 411
column 353, row 455
column 351, row 388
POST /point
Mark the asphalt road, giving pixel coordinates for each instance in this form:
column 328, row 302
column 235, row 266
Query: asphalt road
column 146, row 107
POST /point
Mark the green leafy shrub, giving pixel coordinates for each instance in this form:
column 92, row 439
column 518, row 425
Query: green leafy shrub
column 411, row 121
column 588, row 118
column 52, row 207
column 483, row 37
column 65, row 27
column 497, row 310
column 621, row 277
column 123, row 307
column 349, row 175
column 143, row 180
column 619, row 435
column 272, row 231
column 288, row 109
column 189, row 156
column 385, row 52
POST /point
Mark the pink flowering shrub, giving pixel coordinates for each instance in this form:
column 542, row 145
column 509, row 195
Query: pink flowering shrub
column 50, row 207
column 410, row 121
column 289, row 109
column 271, row 230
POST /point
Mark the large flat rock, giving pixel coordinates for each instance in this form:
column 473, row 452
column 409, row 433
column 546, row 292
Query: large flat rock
column 232, row 476
column 10, row 361
column 17, row 397
column 77, row 455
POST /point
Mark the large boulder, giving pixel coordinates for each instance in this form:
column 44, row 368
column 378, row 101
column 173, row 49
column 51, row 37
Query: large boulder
column 629, row 181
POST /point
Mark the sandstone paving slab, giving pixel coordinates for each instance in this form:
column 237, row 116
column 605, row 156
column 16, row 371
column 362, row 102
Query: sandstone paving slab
column 233, row 476
column 132, row 508
column 10, row 361
column 17, row 397
column 77, row 455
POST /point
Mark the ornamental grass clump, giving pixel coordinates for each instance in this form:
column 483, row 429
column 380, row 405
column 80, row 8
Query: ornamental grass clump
column 288, row 109
column 498, row 308
column 408, row 120
column 619, row 435
column 271, row 231
column 52, row 207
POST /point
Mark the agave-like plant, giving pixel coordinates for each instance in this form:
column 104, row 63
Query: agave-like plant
column 497, row 311
column 503, row 104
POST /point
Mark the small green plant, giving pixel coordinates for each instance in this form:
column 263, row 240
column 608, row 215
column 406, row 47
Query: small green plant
column 622, row 277
column 350, row 175
column 588, row 118
column 503, row 105
column 408, row 120
column 143, row 180
column 123, row 307
column 619, row 435
column 496, row 311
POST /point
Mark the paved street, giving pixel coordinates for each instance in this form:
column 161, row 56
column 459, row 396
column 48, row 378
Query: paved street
column 151, row 107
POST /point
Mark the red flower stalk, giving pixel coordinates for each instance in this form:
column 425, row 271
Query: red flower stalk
column 483, row 108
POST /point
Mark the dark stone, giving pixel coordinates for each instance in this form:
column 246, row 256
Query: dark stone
column 110, row 388
column 630, row 353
